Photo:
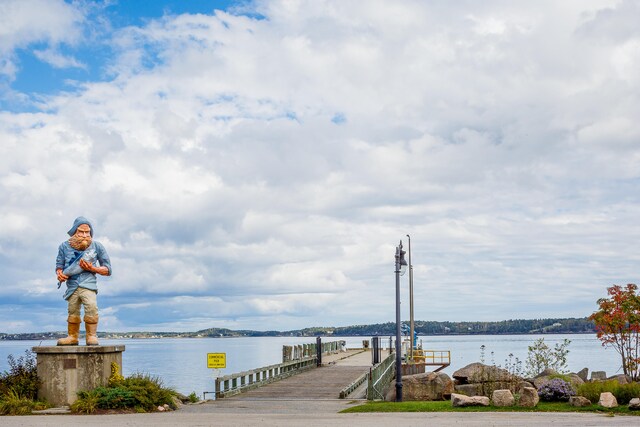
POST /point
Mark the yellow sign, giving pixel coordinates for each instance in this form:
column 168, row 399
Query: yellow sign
column 216, row 360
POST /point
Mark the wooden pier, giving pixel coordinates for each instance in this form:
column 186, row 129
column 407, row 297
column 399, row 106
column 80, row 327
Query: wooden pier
column 327, row 381
column 341, row 374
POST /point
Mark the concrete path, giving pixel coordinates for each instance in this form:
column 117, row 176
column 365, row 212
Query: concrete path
column 314, row 414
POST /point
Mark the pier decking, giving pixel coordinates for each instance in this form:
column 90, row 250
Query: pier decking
column 325, row 382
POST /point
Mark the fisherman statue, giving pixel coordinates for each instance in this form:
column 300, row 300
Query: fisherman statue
column 79, row 260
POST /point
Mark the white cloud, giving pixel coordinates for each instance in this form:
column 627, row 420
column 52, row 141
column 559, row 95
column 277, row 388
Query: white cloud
column 23, row 22
column 501, row 137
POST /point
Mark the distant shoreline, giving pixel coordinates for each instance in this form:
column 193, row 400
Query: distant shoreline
column 422, row 328
column 293, row 336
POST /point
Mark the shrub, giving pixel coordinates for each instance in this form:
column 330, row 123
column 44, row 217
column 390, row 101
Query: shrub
column 87, row 402
column 555, row 390
column 143, row 393
column 12, row 403
column 623, row 392
column 22, row 377
column 193, row 397
column 149, row 392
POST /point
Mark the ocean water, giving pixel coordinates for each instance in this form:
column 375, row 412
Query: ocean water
column 181, row 363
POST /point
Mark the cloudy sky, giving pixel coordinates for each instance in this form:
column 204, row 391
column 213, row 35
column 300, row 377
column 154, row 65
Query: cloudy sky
column 254, row 164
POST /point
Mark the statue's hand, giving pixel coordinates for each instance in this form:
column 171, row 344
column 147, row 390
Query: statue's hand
column 61, row 277
column 87, row 266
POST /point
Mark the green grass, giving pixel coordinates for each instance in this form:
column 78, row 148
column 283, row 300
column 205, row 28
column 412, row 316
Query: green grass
column 445, row 406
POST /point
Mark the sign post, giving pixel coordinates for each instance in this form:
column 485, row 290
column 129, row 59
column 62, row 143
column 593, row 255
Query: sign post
column 216, row 361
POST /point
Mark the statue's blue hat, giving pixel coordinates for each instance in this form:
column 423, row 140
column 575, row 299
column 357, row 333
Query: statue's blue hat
column 77, row 223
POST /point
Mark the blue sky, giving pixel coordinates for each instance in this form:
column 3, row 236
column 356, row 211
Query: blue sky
column 252, row 165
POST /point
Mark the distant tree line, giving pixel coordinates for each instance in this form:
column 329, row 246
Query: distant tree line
column 517, row 326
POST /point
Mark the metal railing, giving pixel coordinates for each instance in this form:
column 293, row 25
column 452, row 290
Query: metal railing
column 230, row 385
column 432, row 357
column 380, row 376
column 300, row 351
column 345, row 392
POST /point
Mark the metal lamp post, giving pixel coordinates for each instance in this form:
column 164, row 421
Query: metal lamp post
column 412, row 330
column 401, row 267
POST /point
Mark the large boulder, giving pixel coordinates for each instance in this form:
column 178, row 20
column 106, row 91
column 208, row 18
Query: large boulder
column 481, row 373
column 579, row 401
column 502, row 398
column 634, row 404
column 427, row 386
column 598, row 375
column 480, row 379
column 468, row 389
column 460, row 400
column 529, row 397
column 607, row 400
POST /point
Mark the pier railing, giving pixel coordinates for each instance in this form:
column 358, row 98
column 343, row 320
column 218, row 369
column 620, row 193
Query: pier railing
column 301, row 351
column 230, row 385
column 380, row 376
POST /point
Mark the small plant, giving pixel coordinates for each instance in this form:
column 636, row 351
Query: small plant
column 193, row 397
column 513, row 365
column 541, row 357
column 555, row 390
column 11, row 403
column 87, row 402
column 115, row 378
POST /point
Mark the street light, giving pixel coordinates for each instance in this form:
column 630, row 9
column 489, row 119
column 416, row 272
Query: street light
column 412, row 330
column 401, row 268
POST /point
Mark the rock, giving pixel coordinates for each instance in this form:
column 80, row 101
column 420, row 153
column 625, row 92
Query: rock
column 583, row 374
column 166, row 407
column 177, row 401
column 598, row 376
column 607, row 400
column 529, row 397
column 579, row 401
column 427, row 386
column 522, row 385
column 460, row 400
column 469, row 389
column 502, row 398
column 480, row 373
column 622, row 379
column 182, row 398
column 634, row 404
column 547, row 372
column 160, row 408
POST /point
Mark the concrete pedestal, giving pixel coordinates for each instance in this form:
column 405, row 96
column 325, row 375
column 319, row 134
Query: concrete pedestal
column 63, row 371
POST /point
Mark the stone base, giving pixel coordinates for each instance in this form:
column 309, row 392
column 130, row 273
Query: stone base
column 66, row 370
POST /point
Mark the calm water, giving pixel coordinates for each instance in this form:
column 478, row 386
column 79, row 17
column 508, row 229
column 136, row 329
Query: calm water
column 182, row 363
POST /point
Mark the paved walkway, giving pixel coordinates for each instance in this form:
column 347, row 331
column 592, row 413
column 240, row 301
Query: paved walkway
column 314, row 414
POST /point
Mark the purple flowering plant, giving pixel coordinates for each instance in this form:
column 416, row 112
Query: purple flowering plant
column 555, row 390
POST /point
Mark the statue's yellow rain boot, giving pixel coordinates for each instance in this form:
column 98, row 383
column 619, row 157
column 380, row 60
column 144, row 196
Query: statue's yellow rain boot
column 73, row 326
column 91, row 326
